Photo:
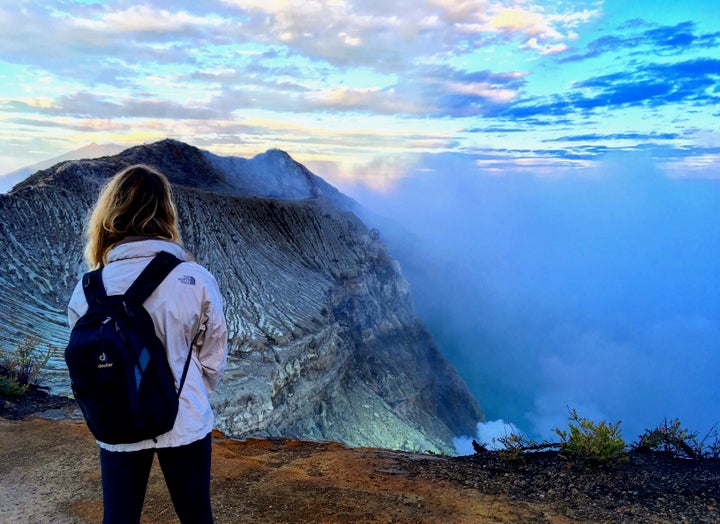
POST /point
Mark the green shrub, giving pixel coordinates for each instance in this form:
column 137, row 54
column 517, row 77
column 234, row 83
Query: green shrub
column 514, row 445
column 597, row 441
column 669, row 438
column 10, row 387
column 23, row 367
column 672, row 438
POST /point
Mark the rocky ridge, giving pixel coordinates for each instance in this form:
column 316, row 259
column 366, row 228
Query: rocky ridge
column 324, row 342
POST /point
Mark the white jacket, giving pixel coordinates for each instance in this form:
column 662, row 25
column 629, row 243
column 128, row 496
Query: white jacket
column 187, row 304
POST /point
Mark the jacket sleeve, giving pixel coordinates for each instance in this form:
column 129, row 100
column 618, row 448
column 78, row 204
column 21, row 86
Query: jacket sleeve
column 77, row 306
column 210, row 342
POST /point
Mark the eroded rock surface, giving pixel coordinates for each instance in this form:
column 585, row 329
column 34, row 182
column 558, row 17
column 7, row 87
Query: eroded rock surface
column 324, row 342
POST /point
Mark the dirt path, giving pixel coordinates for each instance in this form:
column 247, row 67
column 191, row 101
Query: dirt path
column 49, row 473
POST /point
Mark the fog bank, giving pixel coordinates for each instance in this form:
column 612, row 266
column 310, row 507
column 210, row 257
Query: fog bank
column 597, row 291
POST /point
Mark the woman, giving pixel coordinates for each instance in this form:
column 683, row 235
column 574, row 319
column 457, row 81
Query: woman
column 133, row 220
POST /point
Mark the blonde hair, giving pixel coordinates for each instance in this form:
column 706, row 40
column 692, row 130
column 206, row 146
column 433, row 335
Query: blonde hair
column 135, row 202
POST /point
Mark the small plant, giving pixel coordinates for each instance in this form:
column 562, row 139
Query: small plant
column 10, row 387
column 23, row 367
column 710, row 444
column 669, row 438
column 513, row 443
column 679, row 442
column 598, row 441
column 516, row 444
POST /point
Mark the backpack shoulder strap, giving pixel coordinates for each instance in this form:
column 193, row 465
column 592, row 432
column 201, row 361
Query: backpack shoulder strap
column 151, row 277
column 93, row 286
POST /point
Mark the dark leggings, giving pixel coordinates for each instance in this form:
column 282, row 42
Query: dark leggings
column 187, row 474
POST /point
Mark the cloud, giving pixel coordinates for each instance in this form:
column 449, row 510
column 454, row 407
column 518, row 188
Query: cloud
column 89, row 105
column 424, row 90
column 547, row 49
column 657, row 84
column 376, row 100
column 82, row 125
column 660, row 40
column 466, row 71
column 295, row 49
column 529, row 22
column 595, row 137
column 143, row 19
column 692, row 81
column 388, row 35
column 97, row 46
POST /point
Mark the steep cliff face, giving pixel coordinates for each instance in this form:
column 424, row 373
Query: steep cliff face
column 324, row 343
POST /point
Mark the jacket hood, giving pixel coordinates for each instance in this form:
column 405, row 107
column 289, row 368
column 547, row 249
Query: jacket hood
column 147, row 247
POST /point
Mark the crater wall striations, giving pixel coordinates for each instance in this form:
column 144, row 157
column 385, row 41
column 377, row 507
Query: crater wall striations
column 324, row 342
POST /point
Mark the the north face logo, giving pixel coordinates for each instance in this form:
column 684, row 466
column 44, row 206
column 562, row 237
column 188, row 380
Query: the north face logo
column 187, row 279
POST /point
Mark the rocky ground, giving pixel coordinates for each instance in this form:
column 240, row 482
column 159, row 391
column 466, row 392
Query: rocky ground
column 49, row 473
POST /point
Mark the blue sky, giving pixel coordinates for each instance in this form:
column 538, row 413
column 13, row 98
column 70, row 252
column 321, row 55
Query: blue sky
column 366, row 90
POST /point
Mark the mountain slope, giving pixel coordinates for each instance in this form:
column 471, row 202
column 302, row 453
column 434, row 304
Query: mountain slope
column 8, row 180
column 324, row 342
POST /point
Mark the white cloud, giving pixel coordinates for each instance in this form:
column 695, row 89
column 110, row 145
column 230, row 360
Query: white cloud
column 524, row 22
column 488, row 434
column 375, row 100
column 484, row 90
column 116, row 44
column 545, row 49
column 393, row 35
column 143, row 18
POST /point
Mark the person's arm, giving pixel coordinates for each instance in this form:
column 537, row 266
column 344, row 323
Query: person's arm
column 211, row 341
column 77, row 305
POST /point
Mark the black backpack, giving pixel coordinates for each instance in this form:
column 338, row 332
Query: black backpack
column 118, row 367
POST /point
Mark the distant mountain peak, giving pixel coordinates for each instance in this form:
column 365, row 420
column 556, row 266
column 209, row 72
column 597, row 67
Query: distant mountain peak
column 89, row 151
column 168, row 146
column 271, row 174
column 276, row 152
column 275, row 174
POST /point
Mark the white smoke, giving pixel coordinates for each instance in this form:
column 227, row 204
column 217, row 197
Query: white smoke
column 595, row 291
column 487, row 435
